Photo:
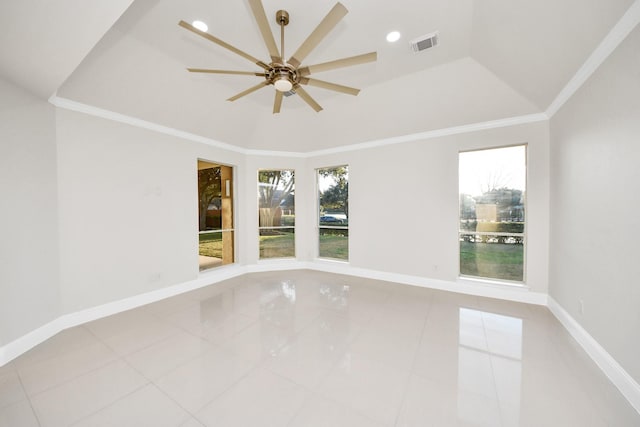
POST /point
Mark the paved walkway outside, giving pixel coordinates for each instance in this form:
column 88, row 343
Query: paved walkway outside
column 207, row 262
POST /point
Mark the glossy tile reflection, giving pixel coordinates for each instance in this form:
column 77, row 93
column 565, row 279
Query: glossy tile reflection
column 304, row 348
column 489, row 360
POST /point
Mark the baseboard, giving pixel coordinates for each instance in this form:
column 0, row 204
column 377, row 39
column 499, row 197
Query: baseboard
column 23, row 344
column 29, row 340
column 277, row 265
column 629, row 388
column 477, row 288
column 26, row 342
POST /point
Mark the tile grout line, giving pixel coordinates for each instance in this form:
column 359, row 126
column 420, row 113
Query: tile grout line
column 122, row 356
column 152, row 383
column 219, row 395
column 109, row 404
column 569, row 368
column 413, row 363
column 493, row 373
column 68, row 380
column 33, row 410
column 329, row 371
column 217, row 347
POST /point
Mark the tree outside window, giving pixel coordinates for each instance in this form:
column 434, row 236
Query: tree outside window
column 276, row 213
column 215, row 215
column 333, row 212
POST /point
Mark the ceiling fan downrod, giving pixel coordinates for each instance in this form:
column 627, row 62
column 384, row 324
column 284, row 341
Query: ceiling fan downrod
column 282, row 18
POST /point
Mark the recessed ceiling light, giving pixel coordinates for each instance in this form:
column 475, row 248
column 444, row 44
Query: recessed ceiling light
column 393, row 36
column 200, row 26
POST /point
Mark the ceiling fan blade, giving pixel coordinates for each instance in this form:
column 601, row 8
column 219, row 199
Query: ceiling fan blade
column 339, row 63
column 328, row 23
column 261, row 18
column 244, row 73
column 307, row 98
column 330, row 86
column 225, row 45
column 248, row 91
column 277, row 103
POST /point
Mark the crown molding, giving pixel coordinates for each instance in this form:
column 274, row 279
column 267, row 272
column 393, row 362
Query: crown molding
column 79, row 107
column 618, row 33
column 438, row 133
column 68, row 104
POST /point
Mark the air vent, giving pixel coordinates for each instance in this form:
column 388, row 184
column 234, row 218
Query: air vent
column 425, row 42
column 289, row 92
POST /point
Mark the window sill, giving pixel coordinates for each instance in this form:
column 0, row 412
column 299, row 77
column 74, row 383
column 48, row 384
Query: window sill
column 493, row 283
column 331, row 261
column 282, row 260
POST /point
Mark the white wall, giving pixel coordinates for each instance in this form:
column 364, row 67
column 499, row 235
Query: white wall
column 29, row 267
column 595, row 205
column 403, row 207
column 128, row 209
column 124, row 202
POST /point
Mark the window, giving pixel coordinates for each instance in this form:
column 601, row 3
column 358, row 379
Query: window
column 215, row 214
column 492, row 188
column 333, row 212
column 276, row 213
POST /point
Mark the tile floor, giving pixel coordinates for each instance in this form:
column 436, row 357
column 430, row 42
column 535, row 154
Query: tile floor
column 305, row 348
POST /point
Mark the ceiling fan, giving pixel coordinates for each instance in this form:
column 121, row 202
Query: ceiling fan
column 287, row 76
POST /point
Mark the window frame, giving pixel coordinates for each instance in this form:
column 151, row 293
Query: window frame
column 523, row 235
column 319, row 227
column 285, row 227
column 234, row 218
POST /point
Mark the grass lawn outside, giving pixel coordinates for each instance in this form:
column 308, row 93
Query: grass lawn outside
column 492, row 260
column 283, row 245
column 280, row 245
column 277, row 245
column 334, row 243
column 210, row 244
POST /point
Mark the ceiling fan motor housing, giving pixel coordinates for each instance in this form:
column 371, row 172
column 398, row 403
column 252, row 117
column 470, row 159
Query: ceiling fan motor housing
column 279, row 72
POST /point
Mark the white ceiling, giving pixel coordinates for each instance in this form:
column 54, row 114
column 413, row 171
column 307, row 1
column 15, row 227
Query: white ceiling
column 496, row 59
column 42, row 42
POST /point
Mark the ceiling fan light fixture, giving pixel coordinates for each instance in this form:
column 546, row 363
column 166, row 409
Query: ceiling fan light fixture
column 283, row 84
